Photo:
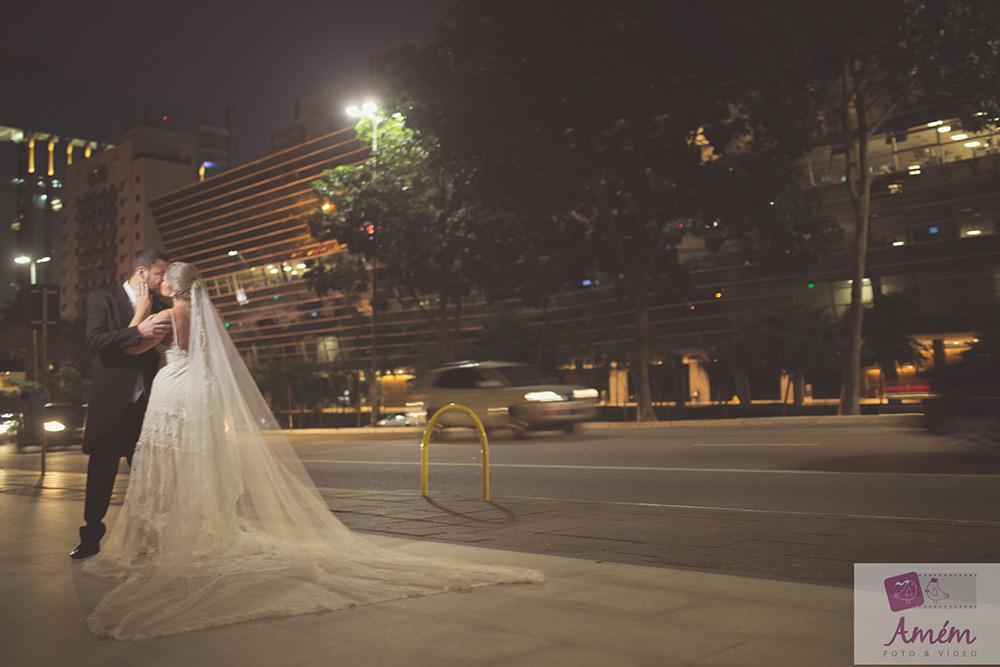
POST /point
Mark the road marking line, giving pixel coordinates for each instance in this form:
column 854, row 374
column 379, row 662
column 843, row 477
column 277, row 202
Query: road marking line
column 477, row 464
column 756, row 444
column 878, row 517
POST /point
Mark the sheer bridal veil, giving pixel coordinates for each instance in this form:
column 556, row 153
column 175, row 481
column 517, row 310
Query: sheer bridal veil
column 241, row 531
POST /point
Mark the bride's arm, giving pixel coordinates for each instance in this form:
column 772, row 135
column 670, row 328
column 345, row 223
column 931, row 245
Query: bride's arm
column 150, row 343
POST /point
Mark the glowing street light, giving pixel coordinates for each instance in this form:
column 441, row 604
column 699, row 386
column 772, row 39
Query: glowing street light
column 24, row 259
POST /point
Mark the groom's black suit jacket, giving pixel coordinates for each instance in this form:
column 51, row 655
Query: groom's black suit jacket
column 115, row 373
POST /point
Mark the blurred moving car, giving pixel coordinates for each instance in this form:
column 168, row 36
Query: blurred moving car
column 64, row 424
column 503, row 395
column 396, row 419
column 8, row 427
column 965, row 399
column 910, row 389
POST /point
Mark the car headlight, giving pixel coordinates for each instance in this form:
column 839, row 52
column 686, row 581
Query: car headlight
column 585, row 393
column 542, row 396
column 54, row 427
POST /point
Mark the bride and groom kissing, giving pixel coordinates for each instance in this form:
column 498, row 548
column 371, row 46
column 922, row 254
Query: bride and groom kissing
column 221, row 523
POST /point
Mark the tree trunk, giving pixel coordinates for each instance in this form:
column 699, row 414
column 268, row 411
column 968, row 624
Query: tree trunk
column 799, row 388
column 859, row 184
column 850, row 389
column 741, row 384
column 446, row 352
column 643, row 397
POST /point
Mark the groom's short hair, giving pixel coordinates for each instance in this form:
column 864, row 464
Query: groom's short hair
column 146, row 258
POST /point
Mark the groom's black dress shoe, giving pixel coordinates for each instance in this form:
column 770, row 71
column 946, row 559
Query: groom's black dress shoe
column 85, row 550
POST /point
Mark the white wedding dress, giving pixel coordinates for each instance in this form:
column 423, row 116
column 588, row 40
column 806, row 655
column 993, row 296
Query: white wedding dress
column 222, row 524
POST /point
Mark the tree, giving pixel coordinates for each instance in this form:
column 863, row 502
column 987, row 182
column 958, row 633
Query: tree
column 507, row 336
column 346, row 275
column 598, row 121
column 797, row 340
column 887, row 324
column 292, row 384
column 573, row 114
column 412, row 216
column 858, row 63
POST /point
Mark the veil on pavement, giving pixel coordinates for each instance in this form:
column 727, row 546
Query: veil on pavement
column 245, row 534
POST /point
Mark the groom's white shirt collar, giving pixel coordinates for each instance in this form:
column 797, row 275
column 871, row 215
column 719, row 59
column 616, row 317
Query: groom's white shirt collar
column 130, row 291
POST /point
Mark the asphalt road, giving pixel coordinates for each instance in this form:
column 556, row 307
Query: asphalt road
column 859, row 471
column 799, row 501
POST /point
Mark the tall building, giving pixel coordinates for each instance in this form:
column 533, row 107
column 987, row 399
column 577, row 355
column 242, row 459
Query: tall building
column 106, row 214
column 244, row 231
column 49, row 123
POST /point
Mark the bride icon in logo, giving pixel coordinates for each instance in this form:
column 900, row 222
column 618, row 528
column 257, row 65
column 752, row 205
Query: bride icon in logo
column 934, row 591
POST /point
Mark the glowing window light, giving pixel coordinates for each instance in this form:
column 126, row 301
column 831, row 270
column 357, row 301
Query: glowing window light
column 974, row 232
column 898, row 243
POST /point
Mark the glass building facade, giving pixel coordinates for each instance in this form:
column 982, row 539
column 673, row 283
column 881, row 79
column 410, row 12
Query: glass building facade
column 935, row 207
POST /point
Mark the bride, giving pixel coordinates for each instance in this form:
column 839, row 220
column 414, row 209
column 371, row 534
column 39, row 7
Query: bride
column 221, row 523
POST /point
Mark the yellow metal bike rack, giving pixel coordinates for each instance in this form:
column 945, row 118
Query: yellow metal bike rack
column 482, row 439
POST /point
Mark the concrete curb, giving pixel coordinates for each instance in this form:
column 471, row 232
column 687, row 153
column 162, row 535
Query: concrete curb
column 912, row 419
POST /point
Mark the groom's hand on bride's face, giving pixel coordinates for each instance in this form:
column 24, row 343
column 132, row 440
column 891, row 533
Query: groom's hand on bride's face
column 152, row 328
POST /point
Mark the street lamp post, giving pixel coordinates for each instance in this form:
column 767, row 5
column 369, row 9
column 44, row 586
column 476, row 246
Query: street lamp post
column 43, row 380
column 369, row 110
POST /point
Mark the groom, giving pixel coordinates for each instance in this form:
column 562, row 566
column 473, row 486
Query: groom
column 119, row 387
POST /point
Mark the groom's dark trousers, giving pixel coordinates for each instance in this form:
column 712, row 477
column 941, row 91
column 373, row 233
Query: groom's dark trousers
column 119, row 390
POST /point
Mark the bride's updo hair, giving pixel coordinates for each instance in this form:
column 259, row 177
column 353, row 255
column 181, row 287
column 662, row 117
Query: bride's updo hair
column 182, row 277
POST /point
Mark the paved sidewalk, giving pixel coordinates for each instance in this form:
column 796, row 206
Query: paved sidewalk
column 588, row 613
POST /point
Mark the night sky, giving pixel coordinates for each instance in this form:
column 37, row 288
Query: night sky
column 209, row 54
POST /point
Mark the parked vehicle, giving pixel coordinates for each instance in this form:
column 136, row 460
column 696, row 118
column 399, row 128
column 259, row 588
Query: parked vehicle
column 503, row 395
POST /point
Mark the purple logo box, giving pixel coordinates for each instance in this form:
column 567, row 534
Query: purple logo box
column 903, row 591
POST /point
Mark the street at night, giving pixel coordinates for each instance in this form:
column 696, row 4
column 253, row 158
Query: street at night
column 800, row 500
